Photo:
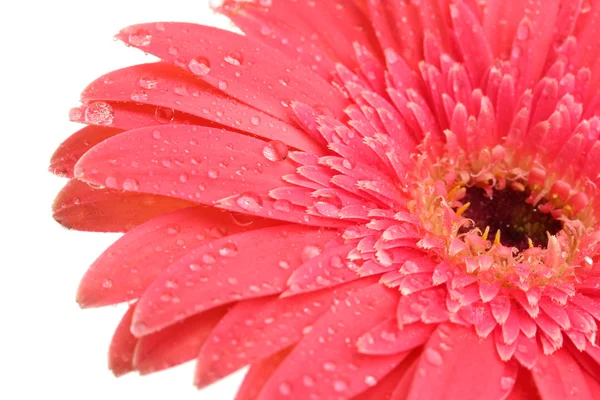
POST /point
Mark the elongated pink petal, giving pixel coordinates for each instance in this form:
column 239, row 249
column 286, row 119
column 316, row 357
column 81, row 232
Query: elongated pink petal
column 122, row 346
column 557, row 376
column 177, row 343
column 394, row 382
column 257, row 328
column 329, row 349
column 170, row 87
column 246, row 66
column 258, row 374
column 387, row 338
column 463, row 366
column 83, row 207
column 70, row 151
column 216, row 273
column 149, row 249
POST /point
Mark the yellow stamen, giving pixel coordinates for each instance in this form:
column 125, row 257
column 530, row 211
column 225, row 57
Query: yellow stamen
column 530, row 243
column 486, row 232
column 453, row 191
column 462, row 209
column 497, row 238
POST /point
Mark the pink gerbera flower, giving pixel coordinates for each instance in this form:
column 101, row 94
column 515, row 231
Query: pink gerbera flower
column 359, row 199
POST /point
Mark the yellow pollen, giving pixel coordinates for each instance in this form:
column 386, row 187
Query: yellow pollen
column 486, row 232
column 530, row 243
column 497, row 238
column 462, row 209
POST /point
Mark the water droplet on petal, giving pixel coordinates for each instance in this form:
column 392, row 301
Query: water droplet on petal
column 75, row 114
column 78, row 171
column 234, row 58
column 213, row 173
column 199, row 66
column 433, row 356
column 275, row 151
column 250, row 201
column 285, row 389
column 228, row 250
column 329, row 366
column 507, row 382
column 99, row 113
column 370, row 381
column 195, row 267
column 310, row 252
column 107, row 283
column 308, row 381
column 255, row 120
column 282, row 205
column 156, row 134
column 164, row 115
column 111, row 182
column 340, row 386
column 140, row 37
column 208, row 258
column 139, row 95
column 173, row 229
column 284, row 264
column 131, row 185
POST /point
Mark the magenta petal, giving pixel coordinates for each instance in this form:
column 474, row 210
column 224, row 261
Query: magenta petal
column 257, row 328
column 216, row 274
column 463, row 366
column 170, row 87
column 122, row 346
column 246, row 66
column 149, row 249
column 328, row 356
column 388, row 338
column 558, row 376
column 83, row 207
column 175, row 344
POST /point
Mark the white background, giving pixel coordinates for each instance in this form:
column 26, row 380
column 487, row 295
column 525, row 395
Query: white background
column 49, row 347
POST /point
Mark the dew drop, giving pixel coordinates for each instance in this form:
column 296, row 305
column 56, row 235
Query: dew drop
column 340, row 386
column 140, row 37
column 75, row 114
column 282, row 205
column 275, row 151
column 507, row 382
column 110, row 182
column 255, row 120
column 131, row 184
column 329, row 366
column 195, row 267
column 208, row 258
column 228, row 250
column 99, row 113
column 107, row 283
column 308, row 381
column 285, row 389
column 370, row 381
column 156, row 134
column 213, row 173
column 234, row 58
column 310, row 252
column 139, row 96
column 284, row 264
column 222, row 85
column 173, row 229
column 250, row 201
column 199, row 66
column 164, row 115
column 78, row 171
column 433, row 356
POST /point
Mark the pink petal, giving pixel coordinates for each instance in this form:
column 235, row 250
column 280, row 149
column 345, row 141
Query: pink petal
column 327, row 355
column 70, row 151
column 393, row 384
column 195, row 282
column 173, row 88
column 558, row 376
column 462, row 366
column 246, row 66
column 259, row 374
column 175, row 344
column 122, row 346
column 255, row 329
column 83, row 207
column 387, row 338
column 130, row 265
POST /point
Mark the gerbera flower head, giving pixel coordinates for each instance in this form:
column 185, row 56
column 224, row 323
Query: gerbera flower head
column 359, row 199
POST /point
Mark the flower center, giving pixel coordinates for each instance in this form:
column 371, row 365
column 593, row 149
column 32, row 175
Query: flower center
column 520, row 224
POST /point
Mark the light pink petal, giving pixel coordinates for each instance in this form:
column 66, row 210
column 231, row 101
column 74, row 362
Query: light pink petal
column 247, row 67
column 216, row 273
column 388, row 338
column 70, row 151
column 122, row 346
column 395, row 384
column 257, row 328
column 175, row 344
column 258, row 374
column 463, row 366
column 161, row 84
column 130, row 265
column 557, row 376
column 83, row 207
column 328, row 357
